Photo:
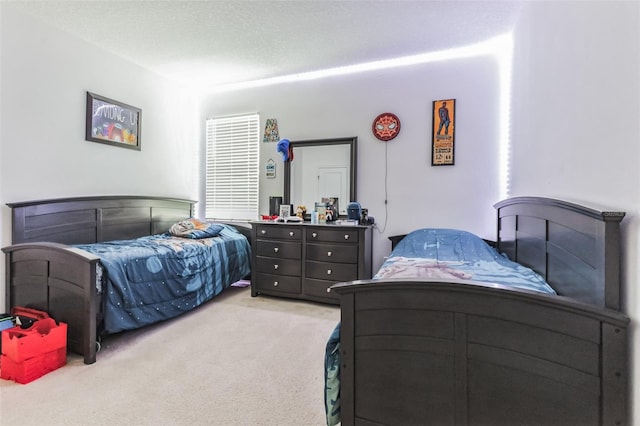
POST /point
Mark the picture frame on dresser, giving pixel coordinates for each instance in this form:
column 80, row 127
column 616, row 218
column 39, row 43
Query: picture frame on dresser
column 285, row 210
column 112, row 122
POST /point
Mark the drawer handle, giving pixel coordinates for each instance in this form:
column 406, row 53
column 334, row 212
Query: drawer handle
column 275, row 283
column 346, row 236
column 329, row 253
column 291, row 233
column 314, row 235
column 275, row 249
column 264, row 231
column 275, row 266
column 328, row 271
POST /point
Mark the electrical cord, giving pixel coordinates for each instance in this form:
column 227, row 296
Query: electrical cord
column 386, row 172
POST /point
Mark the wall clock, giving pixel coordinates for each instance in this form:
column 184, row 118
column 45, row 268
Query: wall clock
column 386, row 126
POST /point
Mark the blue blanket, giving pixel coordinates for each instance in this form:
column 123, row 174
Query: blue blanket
column 435, row 254
column 158, row 277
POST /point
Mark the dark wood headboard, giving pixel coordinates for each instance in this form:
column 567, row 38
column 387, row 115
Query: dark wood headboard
column 575, row 248
column 86, row 220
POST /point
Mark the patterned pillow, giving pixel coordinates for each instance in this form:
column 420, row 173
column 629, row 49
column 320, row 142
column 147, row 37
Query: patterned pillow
column 194, row 228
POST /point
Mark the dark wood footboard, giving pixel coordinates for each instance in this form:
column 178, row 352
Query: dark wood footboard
column 461, row 353
column 60, row 280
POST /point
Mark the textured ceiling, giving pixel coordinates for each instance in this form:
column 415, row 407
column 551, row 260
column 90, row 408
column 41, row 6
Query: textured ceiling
column 218, row 42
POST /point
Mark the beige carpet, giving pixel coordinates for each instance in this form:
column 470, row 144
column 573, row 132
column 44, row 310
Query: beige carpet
column 237, row 360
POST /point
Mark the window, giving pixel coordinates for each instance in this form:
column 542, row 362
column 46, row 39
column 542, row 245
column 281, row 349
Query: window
column 232, row 167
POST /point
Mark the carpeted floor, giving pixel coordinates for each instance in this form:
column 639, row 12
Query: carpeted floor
column 237, row 360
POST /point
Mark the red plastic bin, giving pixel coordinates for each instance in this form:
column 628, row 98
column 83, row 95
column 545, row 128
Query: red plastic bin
column 32, row 368
column 44, row 336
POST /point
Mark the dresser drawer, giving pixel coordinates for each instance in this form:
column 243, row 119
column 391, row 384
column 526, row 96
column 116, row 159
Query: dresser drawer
column 320, row 288
column 272, row 265
column 281, row 232
column 332, row 271
column 332, row 235
column 343, row 253
column 279, row 249
column 279, row 283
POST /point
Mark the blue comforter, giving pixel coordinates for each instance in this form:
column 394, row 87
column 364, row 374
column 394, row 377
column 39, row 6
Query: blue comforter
column 434, row 254
column 158, row 277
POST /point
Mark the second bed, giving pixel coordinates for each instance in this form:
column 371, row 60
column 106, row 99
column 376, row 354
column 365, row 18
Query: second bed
column 455, row 331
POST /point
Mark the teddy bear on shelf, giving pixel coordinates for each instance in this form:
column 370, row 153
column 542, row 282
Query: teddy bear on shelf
column 301, row 211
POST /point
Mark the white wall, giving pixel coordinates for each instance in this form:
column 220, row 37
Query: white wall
column 418, row 194
column 576, row 120
column 43, row 153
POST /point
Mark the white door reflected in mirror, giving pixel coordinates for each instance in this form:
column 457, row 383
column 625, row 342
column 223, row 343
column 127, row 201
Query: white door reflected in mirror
column 321, row 171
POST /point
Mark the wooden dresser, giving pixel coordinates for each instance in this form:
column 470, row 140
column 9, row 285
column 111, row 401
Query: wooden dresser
column 301, row 260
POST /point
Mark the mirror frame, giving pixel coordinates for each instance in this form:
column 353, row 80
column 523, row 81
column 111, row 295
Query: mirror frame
column 353, row 145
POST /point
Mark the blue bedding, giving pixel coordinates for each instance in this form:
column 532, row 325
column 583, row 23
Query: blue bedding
column 158, row 277
column 434, row 254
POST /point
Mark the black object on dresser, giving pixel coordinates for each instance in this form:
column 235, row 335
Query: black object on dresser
column 302, row 260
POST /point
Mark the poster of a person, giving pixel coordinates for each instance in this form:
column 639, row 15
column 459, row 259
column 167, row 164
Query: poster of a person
column 443, row 136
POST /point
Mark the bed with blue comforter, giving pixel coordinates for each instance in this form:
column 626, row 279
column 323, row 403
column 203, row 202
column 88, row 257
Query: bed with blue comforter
column 103, row 264
column 157, row 277
column 434, row 254
column 452, row 331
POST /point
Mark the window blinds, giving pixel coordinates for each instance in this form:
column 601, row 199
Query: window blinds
column 232, row 169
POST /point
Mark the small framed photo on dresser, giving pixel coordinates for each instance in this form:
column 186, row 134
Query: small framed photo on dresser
column 285, row 210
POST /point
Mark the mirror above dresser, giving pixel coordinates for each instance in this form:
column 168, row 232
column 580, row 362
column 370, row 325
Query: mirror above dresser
column 321, row 168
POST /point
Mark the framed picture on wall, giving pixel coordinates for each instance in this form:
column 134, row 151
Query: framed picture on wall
column 443, row 133
column 112, row 122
